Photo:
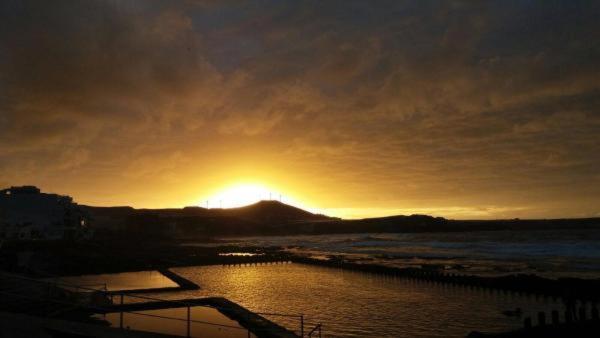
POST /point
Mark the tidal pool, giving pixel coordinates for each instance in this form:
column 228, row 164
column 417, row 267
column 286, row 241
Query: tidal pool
column 352, row 304
column 356, row 304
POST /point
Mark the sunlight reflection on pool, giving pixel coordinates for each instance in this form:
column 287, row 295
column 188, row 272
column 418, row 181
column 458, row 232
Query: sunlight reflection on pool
column 355, row 304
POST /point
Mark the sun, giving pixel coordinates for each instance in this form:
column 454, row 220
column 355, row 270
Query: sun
column 239, row 195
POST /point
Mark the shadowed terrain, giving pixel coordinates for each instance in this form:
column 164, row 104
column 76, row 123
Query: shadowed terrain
column 276, row 218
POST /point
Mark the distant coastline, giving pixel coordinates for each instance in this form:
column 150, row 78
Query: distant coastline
column 275, row 218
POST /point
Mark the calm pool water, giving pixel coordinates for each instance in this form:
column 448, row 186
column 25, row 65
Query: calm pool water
column 348, row 304
column 355, row 304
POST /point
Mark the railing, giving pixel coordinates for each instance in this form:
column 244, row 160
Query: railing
column 317, row 328
column 188, row 320
column 103, row 290
column 90, row 286
column 300, row 318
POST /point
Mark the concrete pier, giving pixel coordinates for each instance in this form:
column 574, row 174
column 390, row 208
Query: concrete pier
column 581, row 289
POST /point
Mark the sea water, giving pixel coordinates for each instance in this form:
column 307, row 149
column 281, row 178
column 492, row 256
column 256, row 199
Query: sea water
column 553, row 254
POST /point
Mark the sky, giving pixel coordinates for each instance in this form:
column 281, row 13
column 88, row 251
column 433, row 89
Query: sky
column 461, row 109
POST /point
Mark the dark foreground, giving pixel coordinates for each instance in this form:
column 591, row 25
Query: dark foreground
column 58, row 309
column 58, row 259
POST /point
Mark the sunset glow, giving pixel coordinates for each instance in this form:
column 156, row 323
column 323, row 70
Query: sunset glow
column 239, row 195
column 359, row 118
column 242, row 194
column 346, row 168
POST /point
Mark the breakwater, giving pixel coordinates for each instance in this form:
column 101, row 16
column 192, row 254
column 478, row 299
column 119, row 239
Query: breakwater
column 585, row 290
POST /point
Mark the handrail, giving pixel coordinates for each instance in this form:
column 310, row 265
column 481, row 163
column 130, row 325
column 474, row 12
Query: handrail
column 184, row 320
column 104, row 309
column 317, row 327
column 139, row 313
column 98, row 308
column 57, row 283
column 124, row 292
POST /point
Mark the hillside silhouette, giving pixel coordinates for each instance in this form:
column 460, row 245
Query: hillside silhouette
column 264, row 217
column 276, row 218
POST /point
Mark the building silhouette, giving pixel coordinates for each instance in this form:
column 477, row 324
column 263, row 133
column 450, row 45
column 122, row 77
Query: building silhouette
column 28, row 214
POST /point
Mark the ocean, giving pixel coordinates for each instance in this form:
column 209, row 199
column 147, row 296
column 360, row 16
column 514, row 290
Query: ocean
column 553, row 254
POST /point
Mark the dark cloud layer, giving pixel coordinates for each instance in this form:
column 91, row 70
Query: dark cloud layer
column 474, row 109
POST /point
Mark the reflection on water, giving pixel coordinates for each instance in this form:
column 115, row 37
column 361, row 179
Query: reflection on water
column 240, row 254
column 354, row 304
column 146, row 321
column 349, row 304
column 121, row 281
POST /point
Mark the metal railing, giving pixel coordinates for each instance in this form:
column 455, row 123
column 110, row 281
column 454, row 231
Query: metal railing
column 71, row 304
column 300, row 318
column 317, row 328
column 109, row 295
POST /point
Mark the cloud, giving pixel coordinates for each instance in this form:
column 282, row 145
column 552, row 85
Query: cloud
column 392, row 103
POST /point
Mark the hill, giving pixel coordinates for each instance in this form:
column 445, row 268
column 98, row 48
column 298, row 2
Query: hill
column 264, row 217
column 276, row 218
column 271, row 211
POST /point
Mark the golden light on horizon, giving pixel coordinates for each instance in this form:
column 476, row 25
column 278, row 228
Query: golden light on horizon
column 242, row 194
column 358, row 122
column 238, row 195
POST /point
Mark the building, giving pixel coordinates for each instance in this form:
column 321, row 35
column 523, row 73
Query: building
column 28, row 214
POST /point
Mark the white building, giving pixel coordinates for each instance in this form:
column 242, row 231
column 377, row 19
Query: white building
column 28, row 214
